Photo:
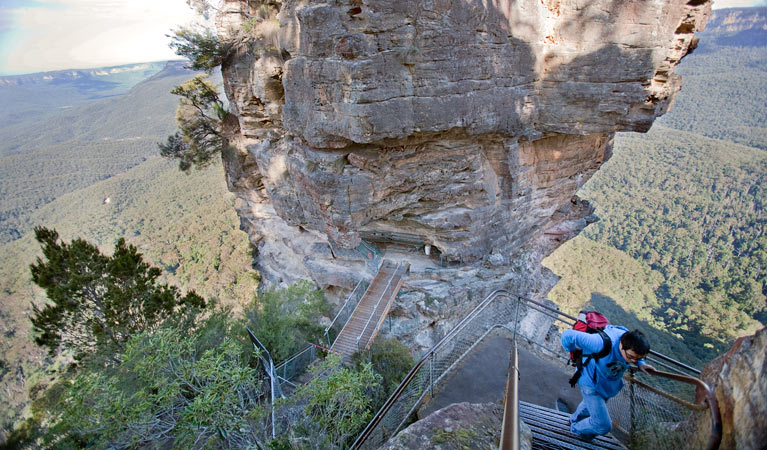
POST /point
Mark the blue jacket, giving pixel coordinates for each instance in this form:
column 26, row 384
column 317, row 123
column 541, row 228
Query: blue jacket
column 605, row 375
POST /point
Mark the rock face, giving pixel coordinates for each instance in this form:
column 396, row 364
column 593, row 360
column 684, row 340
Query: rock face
column 459, row 426
column 466, row 125
column 739, row 380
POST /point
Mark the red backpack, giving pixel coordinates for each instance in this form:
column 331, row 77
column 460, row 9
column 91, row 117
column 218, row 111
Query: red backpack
column 589, row 322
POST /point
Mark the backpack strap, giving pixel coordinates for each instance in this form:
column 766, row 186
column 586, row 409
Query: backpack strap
column 607, row 346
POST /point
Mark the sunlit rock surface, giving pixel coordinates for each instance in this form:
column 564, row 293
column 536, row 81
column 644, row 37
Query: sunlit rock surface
column 739, row 381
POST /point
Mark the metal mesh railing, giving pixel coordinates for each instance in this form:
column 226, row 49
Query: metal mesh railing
column 295, row 365
column 373, row 256
column 666, row 410
column 498, row 309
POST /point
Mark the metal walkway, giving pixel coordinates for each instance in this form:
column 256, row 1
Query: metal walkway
column 551, row 430
column 364, row 323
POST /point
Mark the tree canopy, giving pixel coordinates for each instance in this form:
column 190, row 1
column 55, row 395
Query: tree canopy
column 99, row 301
column 201, row 46
column 199, row 117
column 169, row 390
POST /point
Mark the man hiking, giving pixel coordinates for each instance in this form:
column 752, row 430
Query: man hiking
column 602, row 377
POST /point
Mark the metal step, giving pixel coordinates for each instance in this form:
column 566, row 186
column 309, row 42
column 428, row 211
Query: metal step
column 551, row 430
column 366, row 318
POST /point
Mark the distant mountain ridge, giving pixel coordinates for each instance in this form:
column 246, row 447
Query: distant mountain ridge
column 738, row 27
column 32, row 96
column 139, row 71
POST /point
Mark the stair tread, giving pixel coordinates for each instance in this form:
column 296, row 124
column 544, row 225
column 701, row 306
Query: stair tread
column 551, row 426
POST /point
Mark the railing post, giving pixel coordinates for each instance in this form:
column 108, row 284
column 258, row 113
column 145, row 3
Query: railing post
column 510, row 424
column 516, row 319
column 273, row 377
column 632, row 407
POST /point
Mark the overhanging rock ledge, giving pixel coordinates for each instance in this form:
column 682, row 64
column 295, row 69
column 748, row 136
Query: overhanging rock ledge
column 464, row 125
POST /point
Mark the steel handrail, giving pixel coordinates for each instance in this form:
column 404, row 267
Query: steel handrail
column 510, row 427
column 375, row 310
column 410, row 375
column 716, row 419
column 269, row 367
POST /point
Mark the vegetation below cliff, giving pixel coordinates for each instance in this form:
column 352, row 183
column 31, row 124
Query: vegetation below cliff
column 61, row 176
column 686, row 204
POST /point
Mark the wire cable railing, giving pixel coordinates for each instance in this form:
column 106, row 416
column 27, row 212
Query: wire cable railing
column 659, row 411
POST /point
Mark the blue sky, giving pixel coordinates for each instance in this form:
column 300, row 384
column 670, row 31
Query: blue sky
column 42, row 35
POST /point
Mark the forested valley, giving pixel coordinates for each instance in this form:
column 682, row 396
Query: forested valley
column 91, row 171
column 680, row 246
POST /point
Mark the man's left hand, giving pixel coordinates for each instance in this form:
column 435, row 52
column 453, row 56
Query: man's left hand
column 646, row 368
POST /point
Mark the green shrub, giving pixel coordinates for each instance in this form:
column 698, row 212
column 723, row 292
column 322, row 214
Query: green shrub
column 166, row 392
column 389, row 359
column 285, row 320
column 337, row 404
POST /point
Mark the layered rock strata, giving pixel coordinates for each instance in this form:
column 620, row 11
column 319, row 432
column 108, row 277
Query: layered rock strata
column 465, row 125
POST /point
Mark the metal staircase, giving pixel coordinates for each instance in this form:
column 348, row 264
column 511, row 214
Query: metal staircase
column 363, row 325
column 655, row 410
column 551, row 430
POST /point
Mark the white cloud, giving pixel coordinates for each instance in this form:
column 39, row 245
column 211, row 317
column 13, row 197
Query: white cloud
column 89, row 33
column 721, row 4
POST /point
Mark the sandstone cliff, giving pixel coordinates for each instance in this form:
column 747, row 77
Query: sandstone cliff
column 465, row 125
column 739, row 381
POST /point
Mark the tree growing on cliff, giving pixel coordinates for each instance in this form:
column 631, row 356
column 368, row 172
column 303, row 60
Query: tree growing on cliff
column 200, row 115
column 99, row 301
column 204, row 50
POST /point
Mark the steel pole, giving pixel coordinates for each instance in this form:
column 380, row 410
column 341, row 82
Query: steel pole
column 510, row 429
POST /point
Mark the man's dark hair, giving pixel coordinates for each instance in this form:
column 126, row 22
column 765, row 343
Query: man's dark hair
column 636, row 341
